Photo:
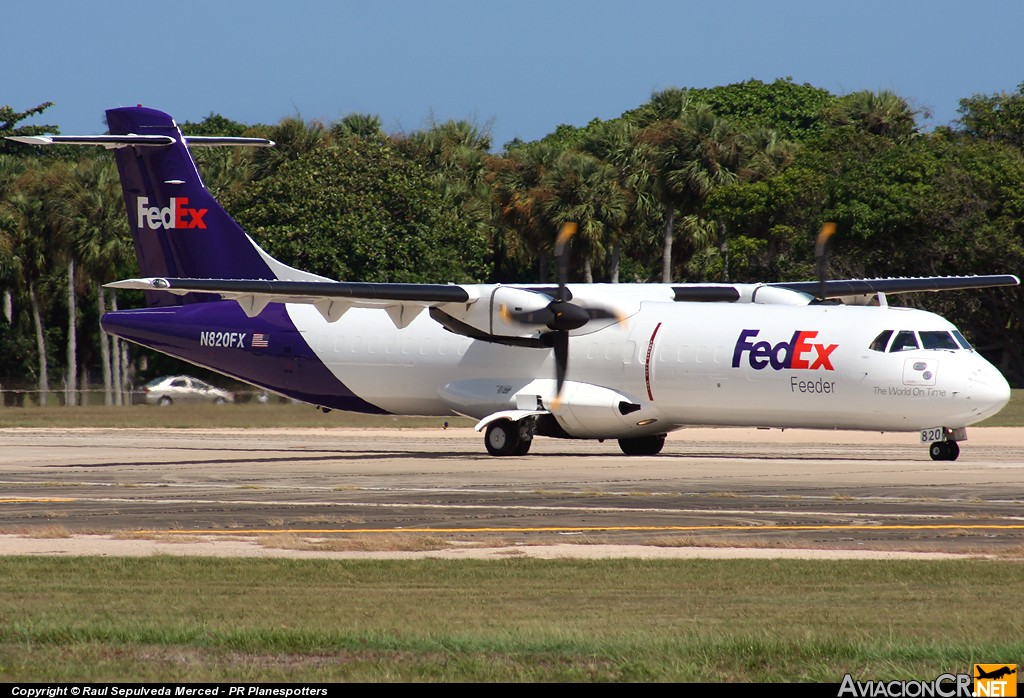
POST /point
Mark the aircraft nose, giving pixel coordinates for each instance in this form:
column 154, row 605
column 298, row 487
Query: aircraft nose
column 989, row 390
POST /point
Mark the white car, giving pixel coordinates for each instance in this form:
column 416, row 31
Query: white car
column 174, row 389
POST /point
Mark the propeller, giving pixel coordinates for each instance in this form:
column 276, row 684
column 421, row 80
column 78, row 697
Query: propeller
column 821, row 255
column 561, row 316
column 560, row 340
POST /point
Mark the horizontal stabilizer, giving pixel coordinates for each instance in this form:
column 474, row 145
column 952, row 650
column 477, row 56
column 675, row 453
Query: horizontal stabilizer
column 108, row 142
column 210, row 141
column 112, row 141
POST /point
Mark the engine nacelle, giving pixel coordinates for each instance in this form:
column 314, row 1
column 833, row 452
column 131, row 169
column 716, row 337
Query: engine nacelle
column 584, row 410
column 592, row 411
column 486, row 316
column 771, row 295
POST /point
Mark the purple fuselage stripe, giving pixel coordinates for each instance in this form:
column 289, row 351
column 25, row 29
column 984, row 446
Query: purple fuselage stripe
column 219, row 336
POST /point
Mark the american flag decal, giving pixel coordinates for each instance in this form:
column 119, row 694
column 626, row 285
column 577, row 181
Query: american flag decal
column 260, row 340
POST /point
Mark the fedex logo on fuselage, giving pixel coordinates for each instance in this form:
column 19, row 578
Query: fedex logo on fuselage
column 177, row 215
column 798, row 353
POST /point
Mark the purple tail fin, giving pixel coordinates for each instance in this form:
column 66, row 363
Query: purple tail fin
column 180, row 230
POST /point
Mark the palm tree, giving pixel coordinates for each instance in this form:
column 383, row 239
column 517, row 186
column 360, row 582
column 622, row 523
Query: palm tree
column 520, row 188
column 293, row 138
column 618, row 143
column 22, row 217
column 98, row 239
column 690, row 156
column 881, row 113
column 365, row 126
column 667, row 105
column 455, row 154
column 586, row 191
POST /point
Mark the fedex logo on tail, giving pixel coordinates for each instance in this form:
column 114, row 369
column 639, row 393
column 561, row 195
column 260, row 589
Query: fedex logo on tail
column 798, row 353
column 176, row 216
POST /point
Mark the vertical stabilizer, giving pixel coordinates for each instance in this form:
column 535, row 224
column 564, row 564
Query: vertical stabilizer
column 179, row 229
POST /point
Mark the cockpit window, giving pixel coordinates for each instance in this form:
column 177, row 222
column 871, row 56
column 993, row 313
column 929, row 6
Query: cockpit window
column 960, row 338
column 905, row 341
column 881, row 341
column 938, row 340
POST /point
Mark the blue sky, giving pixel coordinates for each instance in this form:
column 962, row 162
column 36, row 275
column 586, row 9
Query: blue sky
column 519, row 67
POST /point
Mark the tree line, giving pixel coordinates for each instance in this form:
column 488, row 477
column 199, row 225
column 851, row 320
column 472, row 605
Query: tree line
column 724, row 184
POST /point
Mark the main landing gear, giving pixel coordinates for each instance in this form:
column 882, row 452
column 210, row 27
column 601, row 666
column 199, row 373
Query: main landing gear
column 507, row 438
column 503, row 437
column 643, row 445
column 944, row 450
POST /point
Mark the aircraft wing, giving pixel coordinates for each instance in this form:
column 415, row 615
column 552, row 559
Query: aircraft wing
column 255, row 294
column 279, row 291
column 331, row 298
column 853, row 287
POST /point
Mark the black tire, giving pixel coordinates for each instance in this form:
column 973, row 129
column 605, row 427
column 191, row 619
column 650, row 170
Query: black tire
column 164, row 401
column 643, row 445
column 523, row 448
column 220, row 401
column 944, row 450
column 954, row 450
column 502, row 438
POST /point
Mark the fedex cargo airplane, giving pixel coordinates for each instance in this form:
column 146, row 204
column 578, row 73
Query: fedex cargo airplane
column 629, row 362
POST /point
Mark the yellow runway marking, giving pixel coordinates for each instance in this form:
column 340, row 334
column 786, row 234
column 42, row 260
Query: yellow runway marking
column 590, row 529
column 35, row 500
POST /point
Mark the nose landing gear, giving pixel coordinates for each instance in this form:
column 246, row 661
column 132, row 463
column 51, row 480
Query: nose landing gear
column 944, row 450
column 943, row 442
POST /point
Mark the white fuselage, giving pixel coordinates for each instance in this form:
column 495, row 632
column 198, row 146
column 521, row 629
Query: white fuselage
column 683, row 363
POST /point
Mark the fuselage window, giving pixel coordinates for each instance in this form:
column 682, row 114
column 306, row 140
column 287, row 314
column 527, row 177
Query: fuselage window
column 881, row 341
column 905, row 341
column 938, row 340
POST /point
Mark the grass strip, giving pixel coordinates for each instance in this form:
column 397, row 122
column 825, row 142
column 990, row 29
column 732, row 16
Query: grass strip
column 205, row 619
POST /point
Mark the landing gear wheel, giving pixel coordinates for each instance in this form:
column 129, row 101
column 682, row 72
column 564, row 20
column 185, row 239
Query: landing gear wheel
column 523, row 448
column 502, row 439
column 944, row 450
column 642, row 446
column 164, row 401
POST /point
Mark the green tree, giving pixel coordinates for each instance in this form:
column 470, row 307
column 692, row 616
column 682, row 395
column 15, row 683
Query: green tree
column 9, row 120
column 794, row 112
column 454, row 155
column 360, row 211
column 998, row 117
column 293, row 138
column 25, row 219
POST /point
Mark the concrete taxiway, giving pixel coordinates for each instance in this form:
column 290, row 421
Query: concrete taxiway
column 342, row 489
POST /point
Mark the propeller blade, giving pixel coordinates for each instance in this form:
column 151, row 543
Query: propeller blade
column 821, row 255
column 560, row 343
column 562, row 255
column 566, row 316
